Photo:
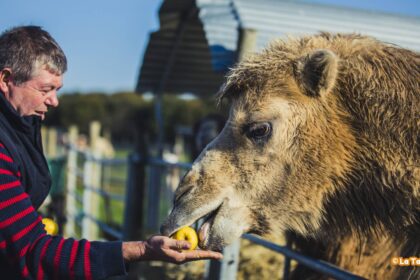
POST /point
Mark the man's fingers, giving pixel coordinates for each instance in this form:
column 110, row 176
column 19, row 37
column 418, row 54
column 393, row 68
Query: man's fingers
column 194, row 255
column 174, row 256
column 201, row 254
column 180, row 245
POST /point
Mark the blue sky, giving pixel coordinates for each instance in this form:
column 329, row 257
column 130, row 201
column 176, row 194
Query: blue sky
column 104, row 40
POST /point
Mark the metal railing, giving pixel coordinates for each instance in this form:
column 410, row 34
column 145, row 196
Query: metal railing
column 152, row 183
column 87, row 196
column 233, row 257
column 317, row 265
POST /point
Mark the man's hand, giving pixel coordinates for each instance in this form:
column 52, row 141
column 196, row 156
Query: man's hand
column 162, row 248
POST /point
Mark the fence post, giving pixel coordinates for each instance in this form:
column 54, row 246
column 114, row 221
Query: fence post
column 227, row 268
column 44, row 131
column 134, row 200
column 136, row 188
column 92, row 180
column 247, row 42
column 287, row 260
column 52, row 142
column 134, row 210
column 153, row 198
column 71, row 208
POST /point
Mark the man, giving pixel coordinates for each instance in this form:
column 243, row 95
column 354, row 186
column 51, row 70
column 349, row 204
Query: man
column 31, row 70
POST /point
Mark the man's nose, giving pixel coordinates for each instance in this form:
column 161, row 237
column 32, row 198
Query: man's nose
column 52, row 100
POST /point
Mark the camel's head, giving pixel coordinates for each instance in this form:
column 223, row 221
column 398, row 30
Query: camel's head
column 278, row 155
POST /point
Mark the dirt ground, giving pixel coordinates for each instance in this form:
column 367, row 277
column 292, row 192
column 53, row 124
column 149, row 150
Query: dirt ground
column 256, row 262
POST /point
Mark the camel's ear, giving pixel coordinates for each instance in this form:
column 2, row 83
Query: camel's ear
column 316, row 72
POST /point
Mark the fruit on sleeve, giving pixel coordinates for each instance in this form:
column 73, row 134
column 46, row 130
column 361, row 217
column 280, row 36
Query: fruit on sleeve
column 50, row 226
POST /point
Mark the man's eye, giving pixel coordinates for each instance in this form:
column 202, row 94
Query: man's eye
column 259, row 131
column 47, row 90
column 44, row 91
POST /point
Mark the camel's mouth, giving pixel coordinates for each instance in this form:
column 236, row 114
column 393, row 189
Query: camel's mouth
column 203, row 232
column 204, row 222
column 223, row 222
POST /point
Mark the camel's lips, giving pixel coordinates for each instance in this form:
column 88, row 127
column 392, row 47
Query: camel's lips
column 203, row 232
column 204, row 223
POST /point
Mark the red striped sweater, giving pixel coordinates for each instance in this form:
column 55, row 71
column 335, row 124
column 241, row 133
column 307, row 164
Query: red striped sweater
column 27, row 252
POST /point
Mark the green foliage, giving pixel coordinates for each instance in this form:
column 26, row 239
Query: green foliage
column 127, row 115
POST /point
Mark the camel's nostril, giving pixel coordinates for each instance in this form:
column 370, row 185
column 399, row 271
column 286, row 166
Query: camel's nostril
column 167, row 228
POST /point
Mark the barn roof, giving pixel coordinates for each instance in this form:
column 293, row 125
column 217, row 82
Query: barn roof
column 198, row 40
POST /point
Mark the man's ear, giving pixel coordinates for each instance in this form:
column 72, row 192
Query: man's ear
column 4, row 80
column 316, row 73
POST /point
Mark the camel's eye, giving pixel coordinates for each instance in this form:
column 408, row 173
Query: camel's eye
column 258, row 131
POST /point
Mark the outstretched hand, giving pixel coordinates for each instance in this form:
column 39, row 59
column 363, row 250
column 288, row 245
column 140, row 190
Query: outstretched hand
column 166, row 249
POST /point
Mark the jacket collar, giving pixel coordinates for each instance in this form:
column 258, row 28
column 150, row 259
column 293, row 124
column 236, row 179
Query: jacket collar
column 23, row 124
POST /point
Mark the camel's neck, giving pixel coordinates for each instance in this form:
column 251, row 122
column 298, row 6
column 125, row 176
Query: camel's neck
column 367, row 223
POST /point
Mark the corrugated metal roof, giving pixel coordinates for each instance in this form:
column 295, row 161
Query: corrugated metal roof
column 197, row 40
column 275, row 19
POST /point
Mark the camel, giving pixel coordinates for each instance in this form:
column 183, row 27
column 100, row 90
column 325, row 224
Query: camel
column 321, row 144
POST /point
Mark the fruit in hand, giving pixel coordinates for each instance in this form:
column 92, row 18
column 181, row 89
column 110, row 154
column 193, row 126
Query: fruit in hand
column 188, row 234
column 51, row 227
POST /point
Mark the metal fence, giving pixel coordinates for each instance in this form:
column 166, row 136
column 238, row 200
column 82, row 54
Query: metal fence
column 149, row 183
column 90, row 195
column 226, row 269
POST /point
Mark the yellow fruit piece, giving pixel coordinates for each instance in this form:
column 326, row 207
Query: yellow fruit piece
column 51, row 227
column 188, row 234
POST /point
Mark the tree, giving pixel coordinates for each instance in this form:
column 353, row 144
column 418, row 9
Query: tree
column 126, row 114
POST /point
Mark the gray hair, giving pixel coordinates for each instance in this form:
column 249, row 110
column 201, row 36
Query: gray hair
column 25, row 49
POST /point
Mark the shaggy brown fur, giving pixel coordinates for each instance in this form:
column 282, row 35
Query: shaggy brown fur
column 322, row 142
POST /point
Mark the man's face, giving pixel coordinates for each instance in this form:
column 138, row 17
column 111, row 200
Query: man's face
column 36, row 95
